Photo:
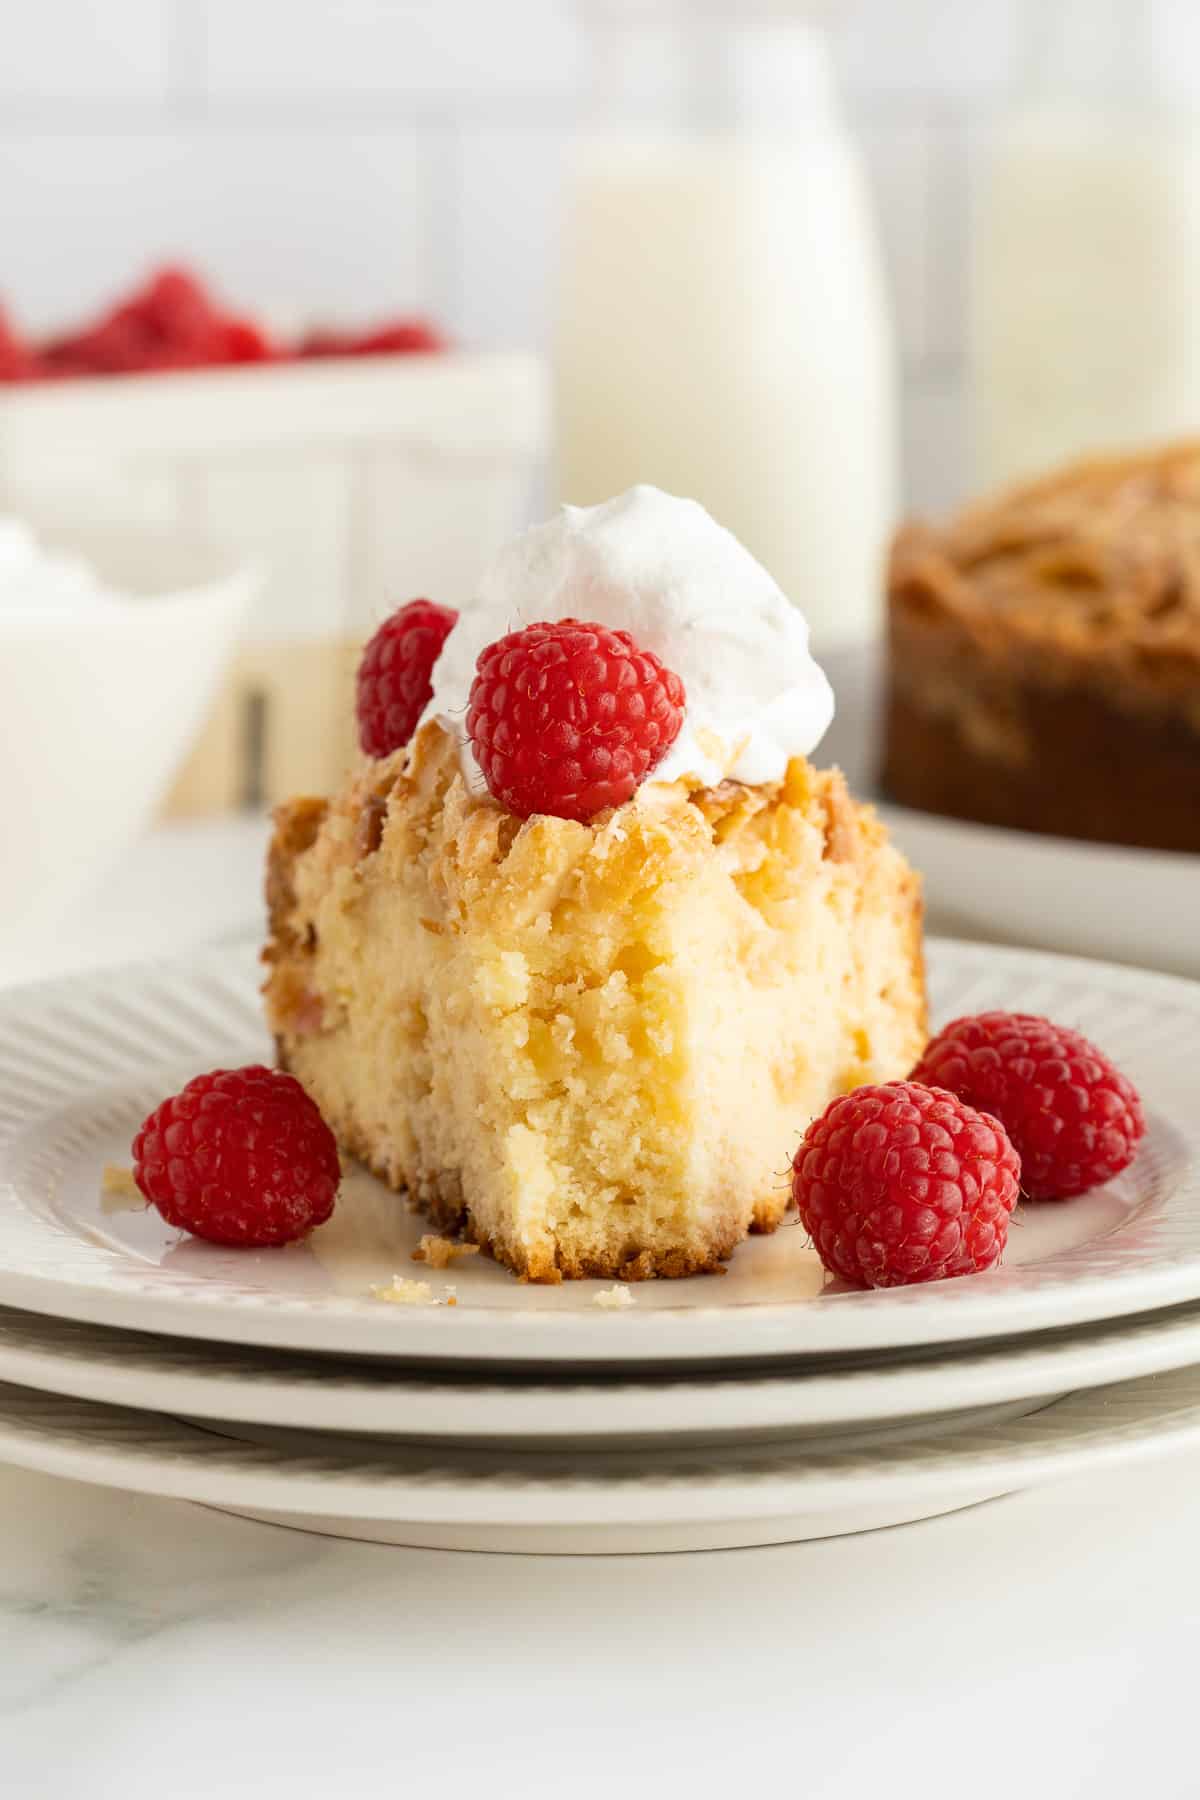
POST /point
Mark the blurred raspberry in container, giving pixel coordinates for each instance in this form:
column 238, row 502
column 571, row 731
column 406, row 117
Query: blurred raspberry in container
column 173, row 321
column 354, row 467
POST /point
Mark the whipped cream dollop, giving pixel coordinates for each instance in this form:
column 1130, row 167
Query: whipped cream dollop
column 663, row 570
column 35, row 579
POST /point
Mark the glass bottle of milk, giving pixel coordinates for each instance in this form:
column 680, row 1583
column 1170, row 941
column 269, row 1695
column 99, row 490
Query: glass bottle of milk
column 1086, row 266
column 723, row 328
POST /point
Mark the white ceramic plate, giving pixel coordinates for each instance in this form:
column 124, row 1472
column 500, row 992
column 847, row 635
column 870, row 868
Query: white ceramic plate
column 1135, row 906
column 687, row 1498
column 83, row 1059
column 277, row 1388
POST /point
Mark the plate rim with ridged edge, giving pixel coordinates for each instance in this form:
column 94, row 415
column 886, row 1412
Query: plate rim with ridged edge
column 614, row 1502
column 81, row 1060
column 241, row 1386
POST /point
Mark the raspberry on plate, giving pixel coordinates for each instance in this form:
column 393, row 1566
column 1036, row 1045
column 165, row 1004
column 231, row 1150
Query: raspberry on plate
column 568, row 718
column 1074, row 1118
column 394, row 676
column 902, row 1183
column 239, row 1156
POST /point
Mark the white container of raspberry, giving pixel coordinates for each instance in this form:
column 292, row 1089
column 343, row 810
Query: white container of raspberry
column 353, row 484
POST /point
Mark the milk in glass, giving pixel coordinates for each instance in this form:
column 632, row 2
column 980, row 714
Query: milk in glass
column 1086, row 268
column 723, row 328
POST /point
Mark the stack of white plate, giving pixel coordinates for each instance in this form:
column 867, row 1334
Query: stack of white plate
column 765, row 1406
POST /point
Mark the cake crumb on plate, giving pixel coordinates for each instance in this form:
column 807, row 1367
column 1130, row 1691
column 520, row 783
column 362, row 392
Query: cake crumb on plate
column 440, row 1252
column 401, row 1291
column 613, row 1298
column 119, row 1192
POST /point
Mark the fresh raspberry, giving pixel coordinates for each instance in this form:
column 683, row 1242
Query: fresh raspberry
column 17, row 360
column 321, row 341
column 245, row 342
column 175, row 308
column 171, row 322
column 394, row 676
column 241, row 1156
column 399, row 337
column 902, row 1183
column 1074, row 1118
column 569, row 718
column 393, row 337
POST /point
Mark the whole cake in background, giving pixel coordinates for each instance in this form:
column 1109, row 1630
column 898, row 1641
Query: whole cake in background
column 1044, row 656
column 585, row 1022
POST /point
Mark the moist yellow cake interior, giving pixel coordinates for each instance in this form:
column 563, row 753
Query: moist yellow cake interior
column 592, row 1048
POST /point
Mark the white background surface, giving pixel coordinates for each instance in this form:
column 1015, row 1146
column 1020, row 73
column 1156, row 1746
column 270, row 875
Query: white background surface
column 355, row 155
column 1041, row 1645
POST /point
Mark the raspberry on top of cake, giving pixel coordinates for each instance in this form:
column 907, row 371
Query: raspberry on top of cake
column 588, row 1041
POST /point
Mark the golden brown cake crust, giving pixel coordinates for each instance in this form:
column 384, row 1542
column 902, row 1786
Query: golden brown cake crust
column 296, row 826
column 1044, row 667
column 549, row 944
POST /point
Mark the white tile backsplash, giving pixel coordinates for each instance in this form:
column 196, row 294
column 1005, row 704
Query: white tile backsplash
column 81, row 213
column 355, row 234
column 351, row 156
column 898, row 158
column 70, row 50
column 957, row 50
column 293, row 222
column 509, row 205
column 952, row 173
column 433, row 51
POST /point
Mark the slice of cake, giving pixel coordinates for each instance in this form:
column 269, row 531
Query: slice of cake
column 1044, row 667
column 592, row 1046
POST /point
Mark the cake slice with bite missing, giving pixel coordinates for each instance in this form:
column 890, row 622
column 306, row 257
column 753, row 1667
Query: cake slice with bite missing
column 589, row 1038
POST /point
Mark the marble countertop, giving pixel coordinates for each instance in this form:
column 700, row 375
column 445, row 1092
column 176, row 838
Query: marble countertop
column 151, row 1650
column 1042, row 1645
